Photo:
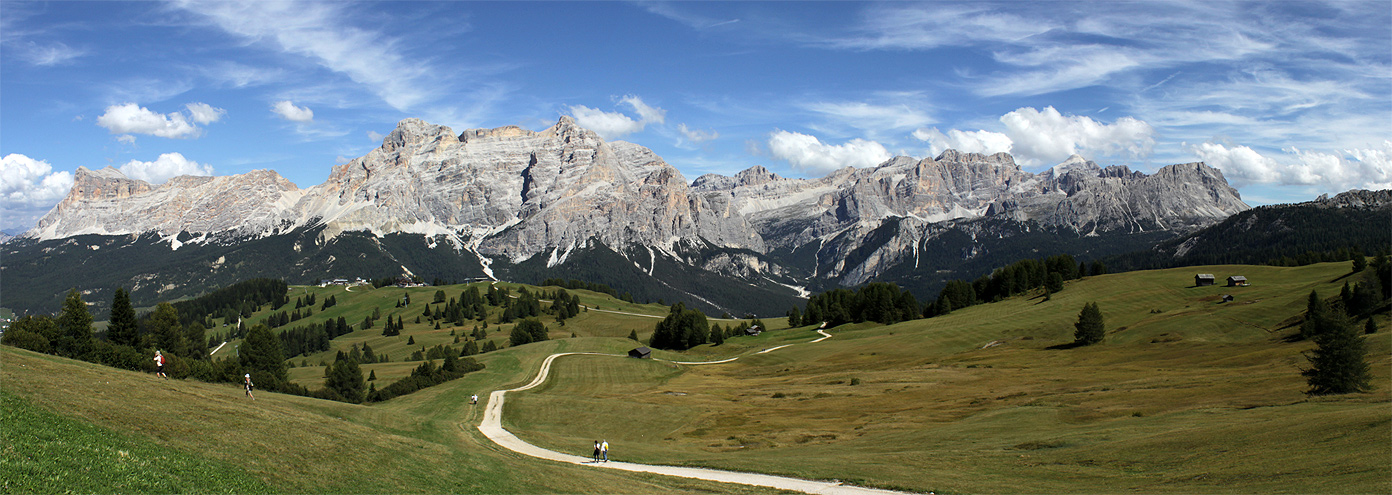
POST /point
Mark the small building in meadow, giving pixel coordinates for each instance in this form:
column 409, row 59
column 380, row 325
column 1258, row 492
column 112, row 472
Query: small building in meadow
column 1203, row 279
column 1237, row 281
column 754, row 330
column 640, row 353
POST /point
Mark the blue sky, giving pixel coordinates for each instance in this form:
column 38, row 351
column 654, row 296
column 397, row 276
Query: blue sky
column 1289, row 99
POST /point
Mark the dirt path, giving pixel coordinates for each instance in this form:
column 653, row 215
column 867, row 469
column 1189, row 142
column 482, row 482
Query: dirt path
column 492, row 427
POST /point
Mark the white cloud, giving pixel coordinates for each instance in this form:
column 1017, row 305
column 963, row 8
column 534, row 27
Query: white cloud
column 807, row 153
column 163, row 168
column 1036, row 137
column 1369, row 168
column 609, row 125
column 375, row 136
column 649, row 115
column 204, row 113
column 984, row 142
column 322, row 32
column 871, row 117
column 613, row 125
column 696, row 136
column 129, row 118
column 1046, row 136
column 289, row 111
column 49, row 55
column 29, row 183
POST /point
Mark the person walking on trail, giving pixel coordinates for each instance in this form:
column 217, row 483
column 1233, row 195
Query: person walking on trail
column 473, row 399
column 159, row 365
column 249, row 386
column 596, row 450
column 604, row 450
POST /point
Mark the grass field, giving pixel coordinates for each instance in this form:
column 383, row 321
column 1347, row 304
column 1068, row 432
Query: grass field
column 1186, row 395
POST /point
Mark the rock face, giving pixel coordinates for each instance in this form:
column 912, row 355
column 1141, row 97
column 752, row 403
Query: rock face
column 107, row 202
column 513, row 194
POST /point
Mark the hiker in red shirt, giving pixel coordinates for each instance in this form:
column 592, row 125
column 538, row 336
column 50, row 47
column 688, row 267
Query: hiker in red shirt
column 159, row 365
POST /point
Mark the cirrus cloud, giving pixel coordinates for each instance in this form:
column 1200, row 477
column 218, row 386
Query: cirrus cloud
column 809, row 154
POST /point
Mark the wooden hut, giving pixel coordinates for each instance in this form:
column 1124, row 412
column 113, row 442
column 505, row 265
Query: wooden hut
column 640, row 353
column 1237, row 281
column 1203, row 279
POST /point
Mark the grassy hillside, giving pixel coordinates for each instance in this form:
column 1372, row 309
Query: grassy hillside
column 1186, row 395
column 192, row 436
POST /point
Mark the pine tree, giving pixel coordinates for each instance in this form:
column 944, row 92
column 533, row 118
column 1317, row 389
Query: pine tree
column 123, row 329
column 75, row 325
column 1090, row 328
column 633, row 335
column 169, row 335
column 1315, row 313
column 261, row 355
column 1338, row 364
column 345, row 378
column 794, row 317
column 1370, row 326
column 372, row 376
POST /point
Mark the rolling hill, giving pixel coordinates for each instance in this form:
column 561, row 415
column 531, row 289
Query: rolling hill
column 1186, row 395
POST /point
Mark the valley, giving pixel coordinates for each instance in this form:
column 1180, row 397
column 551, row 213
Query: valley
column 1187, row 394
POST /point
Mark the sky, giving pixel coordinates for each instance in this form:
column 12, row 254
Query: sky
column 1289, row 99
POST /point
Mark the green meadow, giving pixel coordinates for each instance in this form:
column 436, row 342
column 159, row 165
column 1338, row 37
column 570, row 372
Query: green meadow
column 1187, row 394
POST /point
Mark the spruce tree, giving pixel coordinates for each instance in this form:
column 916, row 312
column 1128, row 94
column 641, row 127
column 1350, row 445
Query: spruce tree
column 1315, row 312
column 633, row 335
column 1338, row 364
column 123, row 329
column 1090, row 328
column 75, row 325
column 168, row 333
column 261, row 355
column 794, row 317
column 345, row 378
column 1370, row 326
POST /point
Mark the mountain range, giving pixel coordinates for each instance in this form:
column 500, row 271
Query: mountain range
column 509, row 203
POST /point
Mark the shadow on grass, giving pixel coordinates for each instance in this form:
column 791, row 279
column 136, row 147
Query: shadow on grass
column 1070, row 345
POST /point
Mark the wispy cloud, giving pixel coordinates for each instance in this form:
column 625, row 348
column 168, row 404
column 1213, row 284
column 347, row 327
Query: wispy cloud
column 56, row 53
column 695, row 21
column 397, row 70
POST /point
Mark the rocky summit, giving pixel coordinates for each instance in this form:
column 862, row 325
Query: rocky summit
column 509, row 196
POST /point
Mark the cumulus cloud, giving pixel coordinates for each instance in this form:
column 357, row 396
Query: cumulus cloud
column 1046, row 136
column 28, row 183
column 807, row 153
column 376, row 136
column 129, row 118
column 613, row 125
column 1369, row 168
column 609, row 125
column 204, row 113
column 1037, row 137
column 984, row 142
column 163, row 168
column 288, row 111
column 696, row 136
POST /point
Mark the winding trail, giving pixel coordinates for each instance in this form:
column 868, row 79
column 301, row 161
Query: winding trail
column 492, row 427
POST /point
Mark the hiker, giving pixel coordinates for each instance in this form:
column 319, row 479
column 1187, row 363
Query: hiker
column 249, row 387
column 473, row 399
column 159, row 365
column 604, row 450
column 596, row 450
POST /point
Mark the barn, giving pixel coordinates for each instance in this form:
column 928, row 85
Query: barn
column 1203, row 279
column 640, row 353
column 1237, row 281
